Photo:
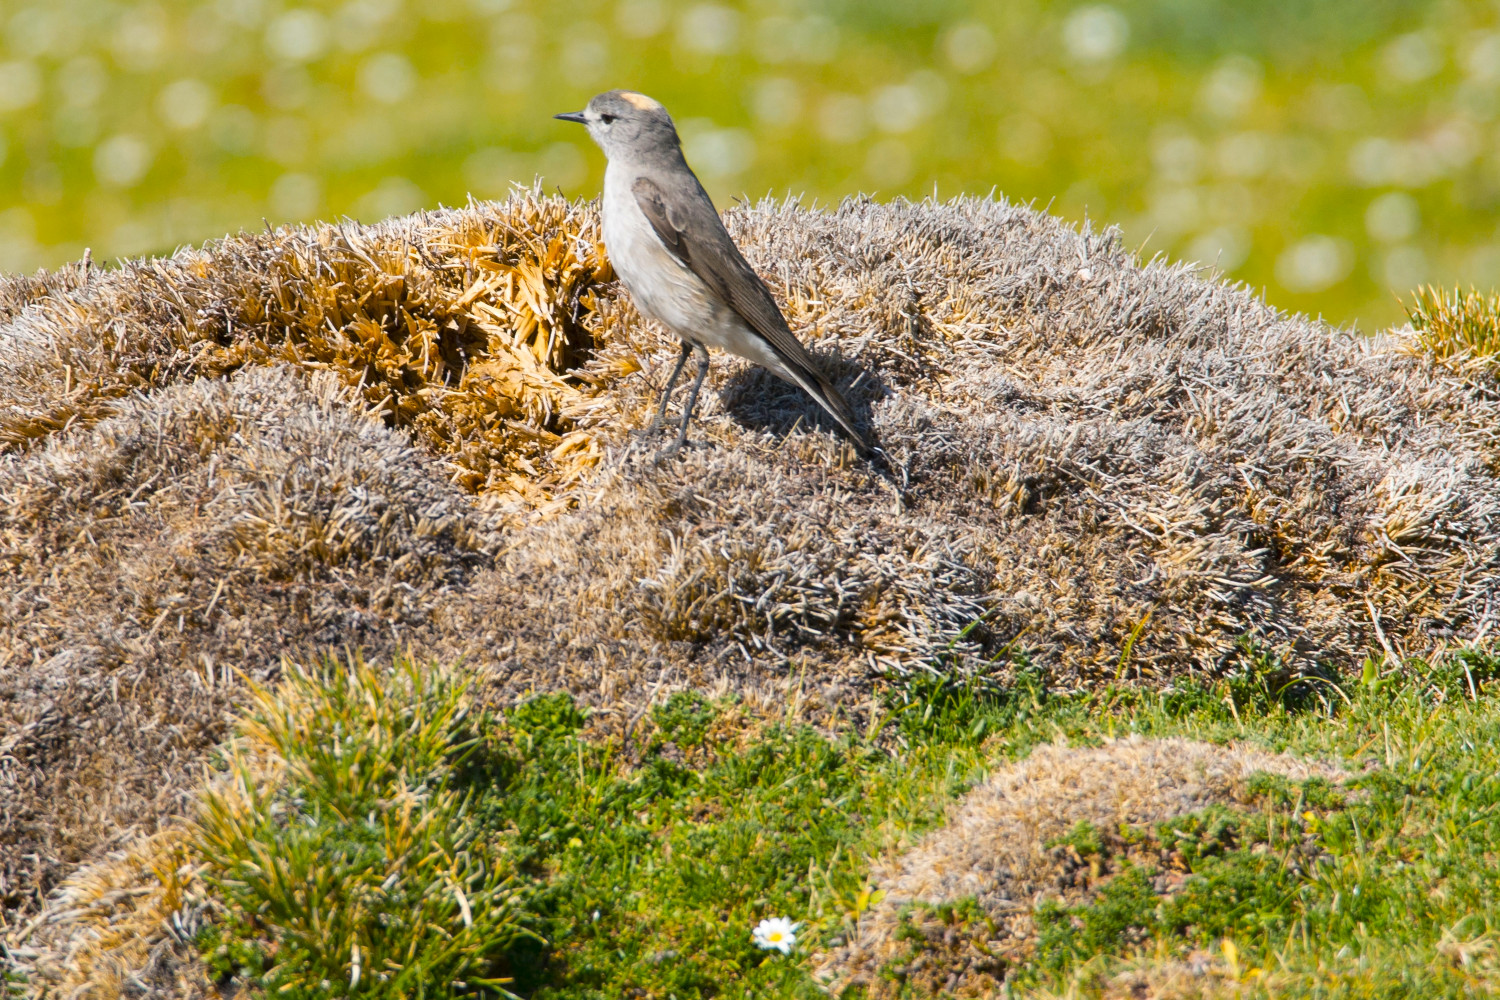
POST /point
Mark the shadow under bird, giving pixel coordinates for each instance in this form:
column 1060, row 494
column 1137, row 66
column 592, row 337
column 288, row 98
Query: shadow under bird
column 668, row 244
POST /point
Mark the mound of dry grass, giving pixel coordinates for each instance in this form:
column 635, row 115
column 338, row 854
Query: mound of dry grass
column 205, row 529
column 999, row 849
column 420, row 433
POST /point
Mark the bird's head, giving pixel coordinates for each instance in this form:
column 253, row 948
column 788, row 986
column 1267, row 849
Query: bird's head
column 625, row 123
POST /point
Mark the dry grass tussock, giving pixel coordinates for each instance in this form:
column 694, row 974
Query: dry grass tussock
column 421, row 433
column 116, row 927
column 998, row 849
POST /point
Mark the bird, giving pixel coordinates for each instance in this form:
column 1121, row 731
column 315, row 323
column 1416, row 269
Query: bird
column 668, row 245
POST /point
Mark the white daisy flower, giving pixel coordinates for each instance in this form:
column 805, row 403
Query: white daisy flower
column 776, row 933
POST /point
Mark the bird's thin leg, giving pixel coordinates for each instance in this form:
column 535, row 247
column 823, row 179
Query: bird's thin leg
column 666, row 394
column 687, row 413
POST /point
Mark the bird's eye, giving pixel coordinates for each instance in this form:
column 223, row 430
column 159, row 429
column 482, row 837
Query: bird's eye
column 607, row 119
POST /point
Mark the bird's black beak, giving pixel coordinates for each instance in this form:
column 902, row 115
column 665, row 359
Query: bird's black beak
column 572, row 116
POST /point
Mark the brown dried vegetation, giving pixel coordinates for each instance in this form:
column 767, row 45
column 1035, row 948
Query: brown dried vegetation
column 109, row 931
column 421, row 433
column 466, row 332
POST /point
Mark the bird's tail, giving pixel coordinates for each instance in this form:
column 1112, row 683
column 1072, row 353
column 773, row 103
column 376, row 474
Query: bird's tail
column 822, row 390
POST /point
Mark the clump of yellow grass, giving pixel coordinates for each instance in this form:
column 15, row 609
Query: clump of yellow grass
column 1457, row 327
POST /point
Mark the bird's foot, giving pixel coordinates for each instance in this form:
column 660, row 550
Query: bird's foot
column 671, row 451
column 682, row 444
column 651, row 430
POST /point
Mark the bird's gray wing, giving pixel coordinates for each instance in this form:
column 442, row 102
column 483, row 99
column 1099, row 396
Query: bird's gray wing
column 712, row 256
column 691, row 229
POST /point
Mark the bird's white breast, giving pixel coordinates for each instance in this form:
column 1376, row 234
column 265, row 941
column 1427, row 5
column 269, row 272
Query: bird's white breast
column 663, row 288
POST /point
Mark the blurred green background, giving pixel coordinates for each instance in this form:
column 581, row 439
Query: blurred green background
column 1330, row 152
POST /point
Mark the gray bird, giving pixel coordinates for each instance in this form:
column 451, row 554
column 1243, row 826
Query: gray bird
column 671, row 249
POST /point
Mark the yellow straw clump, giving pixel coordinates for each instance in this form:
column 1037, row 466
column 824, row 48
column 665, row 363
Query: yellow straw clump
column 1458, row 327
column 478, row 330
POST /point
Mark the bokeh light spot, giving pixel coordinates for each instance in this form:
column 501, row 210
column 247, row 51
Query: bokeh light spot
column 898, row 108
column 585, row 55
column 358, row 24
column 1244, row 154
column 1403, row 268
column 36, row 31
column 709, row 29
column 811, row 39
column 969, row 46
column 1176, row 155
column 139, row 38
column 299, row 35
column 185, row 104
column 1314, row 264
column 1393, row 217
column 1411, row 58
column 138, row 235
column 388, row 77
column 122, row 160
column 245, row 13
column 1175, row 210
column 1483, row 61
column 81, row 81
column 1225, row 248
column 1232, row 87
column 1454, row 144
column 508, row 68
column 1378, row 162
column 20, row 85
column 1096, row 33
column 1216, row 130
